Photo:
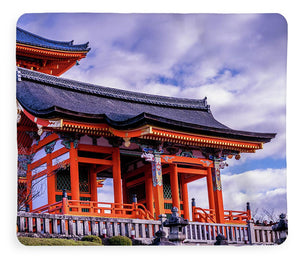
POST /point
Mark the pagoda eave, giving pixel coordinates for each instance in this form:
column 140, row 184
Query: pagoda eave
column 147, row 132
column 50, row 61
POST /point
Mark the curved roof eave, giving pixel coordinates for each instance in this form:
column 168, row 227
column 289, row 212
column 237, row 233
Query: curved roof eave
column 28, row 38
column 47, row 96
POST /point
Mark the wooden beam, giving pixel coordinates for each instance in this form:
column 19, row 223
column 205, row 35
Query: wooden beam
column 94, row 161
column 94, row 148
column 100, row 168
column 137, row 171
column 135, row 182
column 192, row 178
column 45, row 141
column 192, row 171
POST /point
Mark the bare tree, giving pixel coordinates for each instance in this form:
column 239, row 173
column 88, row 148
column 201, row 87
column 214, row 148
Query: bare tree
column 262, row 214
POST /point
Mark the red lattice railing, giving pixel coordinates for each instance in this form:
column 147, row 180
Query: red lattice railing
column 95, row 208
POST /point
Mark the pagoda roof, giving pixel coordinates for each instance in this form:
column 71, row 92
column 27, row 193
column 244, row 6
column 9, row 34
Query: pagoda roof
column 28, row 38
column 49, row 97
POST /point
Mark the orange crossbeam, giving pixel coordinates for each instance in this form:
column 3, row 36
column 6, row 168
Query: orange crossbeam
column 186, row 160
column 94, row 161
column 94, row 148
column 192, row 171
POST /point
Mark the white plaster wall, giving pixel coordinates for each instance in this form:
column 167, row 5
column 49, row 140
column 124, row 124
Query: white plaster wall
column 60, row 158
column 39, row 155
column 58, row 145
column 39, row 188
column 39, row 169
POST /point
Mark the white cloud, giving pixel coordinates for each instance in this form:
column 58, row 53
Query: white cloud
column 264, row 189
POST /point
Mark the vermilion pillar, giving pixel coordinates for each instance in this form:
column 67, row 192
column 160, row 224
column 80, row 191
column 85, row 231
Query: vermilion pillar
column 185, row 198
column 93, row 181
column 116, row 169
column 210, row 189
column 157, row 181
column 74, row 172
column 50, row 180
column 218, row 196
column 149, row 190
column 29, row 186
column 175, row 187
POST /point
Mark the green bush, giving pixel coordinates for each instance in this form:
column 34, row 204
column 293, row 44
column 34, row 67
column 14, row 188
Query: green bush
column 120, row 241
column 34, row 241
column 92, row 238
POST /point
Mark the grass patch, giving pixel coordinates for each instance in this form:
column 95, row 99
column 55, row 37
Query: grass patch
column 33, row 241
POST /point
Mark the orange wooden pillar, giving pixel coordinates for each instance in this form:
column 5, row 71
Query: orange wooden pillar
column 218, row 196
column 93, row 181
column 74, row 173
column 210, row 189
column 149, row 190
column 175, row 187
column 158, row 193
column 29, row 187
column 116, row 169
column 50, row 180
column 185, row 198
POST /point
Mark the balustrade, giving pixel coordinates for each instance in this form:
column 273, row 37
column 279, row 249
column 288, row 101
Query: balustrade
column 195, row 232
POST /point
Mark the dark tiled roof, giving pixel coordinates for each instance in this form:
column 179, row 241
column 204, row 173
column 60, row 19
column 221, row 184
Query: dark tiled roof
column 48, row 96
column 25, row 37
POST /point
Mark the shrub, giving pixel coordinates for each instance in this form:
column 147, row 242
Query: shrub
column 35, row 241
column 92, row 238
column 120, row 241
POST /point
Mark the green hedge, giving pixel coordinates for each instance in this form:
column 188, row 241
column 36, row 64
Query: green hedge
column 92, row 238
column 120, row 241
column 33, row 241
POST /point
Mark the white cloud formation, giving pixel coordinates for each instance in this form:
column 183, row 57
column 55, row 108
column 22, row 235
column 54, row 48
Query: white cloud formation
column 263, row 188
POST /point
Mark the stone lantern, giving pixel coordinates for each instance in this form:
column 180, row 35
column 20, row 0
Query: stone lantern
column 176, row 224
column 282, row 227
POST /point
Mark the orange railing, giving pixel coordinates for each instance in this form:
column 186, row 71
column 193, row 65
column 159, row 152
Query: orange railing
column 230, row 216
column 97, row 209
column 234, row 216
column 204, row 215
column 107, row 209
column 54, row 208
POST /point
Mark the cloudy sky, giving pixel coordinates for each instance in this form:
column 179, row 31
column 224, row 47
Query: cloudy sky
column 238, row 61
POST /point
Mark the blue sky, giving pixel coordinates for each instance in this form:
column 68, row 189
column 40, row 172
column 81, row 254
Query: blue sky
column 238, row 61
